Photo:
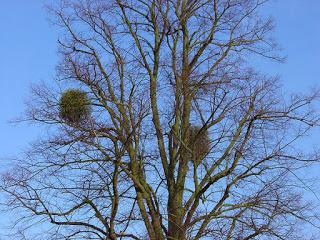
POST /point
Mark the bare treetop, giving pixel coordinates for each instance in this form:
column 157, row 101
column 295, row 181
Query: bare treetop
column 184, row 140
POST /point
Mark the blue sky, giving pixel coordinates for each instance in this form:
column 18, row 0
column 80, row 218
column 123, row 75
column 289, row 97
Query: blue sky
column 298, row 32
column 28, row 54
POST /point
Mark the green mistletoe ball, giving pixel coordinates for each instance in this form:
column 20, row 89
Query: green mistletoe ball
column 74, row 106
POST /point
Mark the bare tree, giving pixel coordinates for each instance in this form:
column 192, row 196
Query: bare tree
column 184, row 139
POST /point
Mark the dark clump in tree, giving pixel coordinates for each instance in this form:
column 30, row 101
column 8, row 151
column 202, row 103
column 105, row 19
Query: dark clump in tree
column 199, row 143
column 74, row 106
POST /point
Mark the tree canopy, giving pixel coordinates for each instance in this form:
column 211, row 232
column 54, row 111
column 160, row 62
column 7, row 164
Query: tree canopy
column 183, row 138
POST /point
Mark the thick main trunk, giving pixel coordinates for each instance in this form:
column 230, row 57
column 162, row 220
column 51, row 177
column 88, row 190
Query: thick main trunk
column 176, row 230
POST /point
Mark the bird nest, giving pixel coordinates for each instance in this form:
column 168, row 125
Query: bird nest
column 199, row 143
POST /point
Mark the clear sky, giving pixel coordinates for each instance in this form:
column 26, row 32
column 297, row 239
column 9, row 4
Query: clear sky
column 298, row 32
column 28, row 55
